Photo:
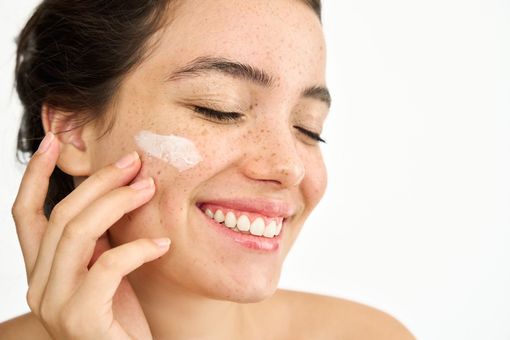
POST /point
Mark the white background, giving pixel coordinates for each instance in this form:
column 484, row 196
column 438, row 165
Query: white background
column 416, row 218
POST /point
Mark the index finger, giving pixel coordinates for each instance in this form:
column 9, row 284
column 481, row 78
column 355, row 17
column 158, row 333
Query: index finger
column 28, row 207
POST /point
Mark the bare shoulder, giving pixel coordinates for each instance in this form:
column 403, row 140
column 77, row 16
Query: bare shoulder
column 22, row 327
column 325, row 317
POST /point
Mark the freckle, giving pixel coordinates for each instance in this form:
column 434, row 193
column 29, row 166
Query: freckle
column 159, row 172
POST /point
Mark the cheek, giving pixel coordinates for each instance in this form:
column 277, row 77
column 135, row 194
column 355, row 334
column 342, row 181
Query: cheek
column 219, row 149
column 315, row 181
column 176, row 186
column 181, row 160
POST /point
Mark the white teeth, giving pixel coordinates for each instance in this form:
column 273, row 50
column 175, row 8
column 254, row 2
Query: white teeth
column 270, row 230
column 243, row 223
column 279, row 227
column 209, row 213
column 257, row 227
column 230, row 220
column 218, row 216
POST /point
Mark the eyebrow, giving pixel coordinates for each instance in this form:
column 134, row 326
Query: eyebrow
column 235, row 69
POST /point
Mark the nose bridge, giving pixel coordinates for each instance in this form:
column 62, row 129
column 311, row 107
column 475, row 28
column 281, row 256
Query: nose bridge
column 274, row 156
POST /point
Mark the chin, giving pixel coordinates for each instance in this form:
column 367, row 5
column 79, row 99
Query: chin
column 249, row 294
column 248, row 290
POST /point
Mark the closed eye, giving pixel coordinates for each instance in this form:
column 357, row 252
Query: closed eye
column 217, row 115
column 234, row 116
column 312, row 135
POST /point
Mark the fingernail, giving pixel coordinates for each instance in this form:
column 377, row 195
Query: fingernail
column 127, row 160
column 46, row 143
column 143, row 184
column 162, row 242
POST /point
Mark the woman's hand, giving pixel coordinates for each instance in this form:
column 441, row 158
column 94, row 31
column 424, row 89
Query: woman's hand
column 76, row 283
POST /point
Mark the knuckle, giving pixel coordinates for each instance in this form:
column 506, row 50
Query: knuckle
column 58, row 213
column 17, row 209
column 103, row 175
column 108, row 261
column 33, row 300
column 44, row 312
column 73, row 232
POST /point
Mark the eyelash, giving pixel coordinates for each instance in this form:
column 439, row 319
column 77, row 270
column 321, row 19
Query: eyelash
column 217, row 115
column 312, row 135
column 231, row 116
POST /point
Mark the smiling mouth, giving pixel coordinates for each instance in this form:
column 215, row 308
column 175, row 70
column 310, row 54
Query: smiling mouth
column 244, row 222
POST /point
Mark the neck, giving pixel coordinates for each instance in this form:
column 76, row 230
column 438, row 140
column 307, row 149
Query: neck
column 174, row 312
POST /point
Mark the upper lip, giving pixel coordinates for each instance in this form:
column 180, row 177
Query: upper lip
column 263, row 206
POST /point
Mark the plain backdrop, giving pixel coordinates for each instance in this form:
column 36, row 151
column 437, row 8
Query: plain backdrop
column 416, row 217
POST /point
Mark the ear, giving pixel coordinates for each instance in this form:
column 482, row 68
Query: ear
column 75, row 149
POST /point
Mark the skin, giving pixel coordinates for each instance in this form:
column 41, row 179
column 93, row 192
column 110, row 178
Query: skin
column 202, row 286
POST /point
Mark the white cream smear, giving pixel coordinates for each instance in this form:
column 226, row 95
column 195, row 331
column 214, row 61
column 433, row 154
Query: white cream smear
column 178, row 151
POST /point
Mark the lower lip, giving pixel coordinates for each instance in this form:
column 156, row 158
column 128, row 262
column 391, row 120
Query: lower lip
column 248, row 241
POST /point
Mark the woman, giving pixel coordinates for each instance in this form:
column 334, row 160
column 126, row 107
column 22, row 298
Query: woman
column 192, row 121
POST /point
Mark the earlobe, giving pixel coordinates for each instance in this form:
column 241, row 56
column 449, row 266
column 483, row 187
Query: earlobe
column 75, row 153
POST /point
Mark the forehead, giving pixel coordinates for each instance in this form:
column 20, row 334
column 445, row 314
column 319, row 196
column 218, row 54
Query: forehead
column 283, row 37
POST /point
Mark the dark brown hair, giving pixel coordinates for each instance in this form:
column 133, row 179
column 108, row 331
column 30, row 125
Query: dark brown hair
column 72, row 55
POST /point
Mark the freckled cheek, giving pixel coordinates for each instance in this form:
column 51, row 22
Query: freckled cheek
column 217, row 151
column 175, row 187
column 174, row 191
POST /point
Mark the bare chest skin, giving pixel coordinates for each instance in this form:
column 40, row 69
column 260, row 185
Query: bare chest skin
column 287, row 315
column 299, row 315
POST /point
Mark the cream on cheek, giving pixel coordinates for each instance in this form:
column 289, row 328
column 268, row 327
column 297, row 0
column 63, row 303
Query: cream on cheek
column 178, row 151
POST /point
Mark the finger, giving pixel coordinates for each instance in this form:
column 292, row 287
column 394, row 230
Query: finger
column 79, row 238
column 103, row 279
column 28, row 207
column 95, row 186
column 104, row 180
column 102, row 245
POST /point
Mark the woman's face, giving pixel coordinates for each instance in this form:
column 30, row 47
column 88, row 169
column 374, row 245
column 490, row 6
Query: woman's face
column 260, row 157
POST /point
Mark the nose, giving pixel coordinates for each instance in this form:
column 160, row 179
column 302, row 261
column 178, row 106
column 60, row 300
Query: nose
column 274, row 156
